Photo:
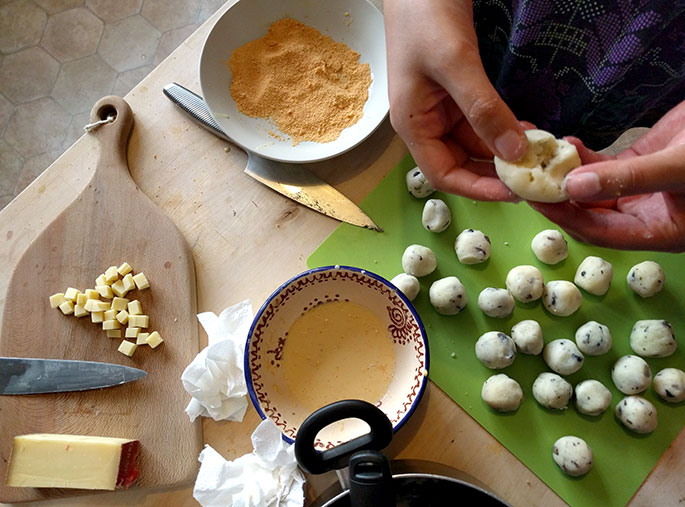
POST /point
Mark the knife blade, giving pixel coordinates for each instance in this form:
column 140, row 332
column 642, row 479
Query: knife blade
column 39, row 376
column 290, row 180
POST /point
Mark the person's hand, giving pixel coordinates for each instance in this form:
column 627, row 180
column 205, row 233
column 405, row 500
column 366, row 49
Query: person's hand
column 633, row 201
column 441, row 101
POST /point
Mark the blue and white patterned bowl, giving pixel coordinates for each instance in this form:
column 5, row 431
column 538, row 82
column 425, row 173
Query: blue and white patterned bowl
column 267, row 336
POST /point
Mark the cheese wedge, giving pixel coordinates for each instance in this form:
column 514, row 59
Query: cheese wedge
column 44, row 460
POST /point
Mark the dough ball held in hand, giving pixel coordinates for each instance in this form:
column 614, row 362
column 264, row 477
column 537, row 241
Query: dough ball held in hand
column 527, row 336
column 592, row 397
column 549, row 246
column 653, row 338
column 572, row 455
column 502, row 393
column 593, row 338
column 594, row 275
column 436, row 215
column 563, row 356
column 472, row 247
column 646, row 279
column 631, row 374
column 495, row 350
column 495, row 302
column 418, row 260
column 417, row 184
column 539, row 174
column 448, row 295
column 525, row 283
column 669, row 383
column 407, row 284
column 561, row 298
column 637, row 414
column 552, row 391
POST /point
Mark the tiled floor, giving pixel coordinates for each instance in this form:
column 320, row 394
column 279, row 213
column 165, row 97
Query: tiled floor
column 57, row 57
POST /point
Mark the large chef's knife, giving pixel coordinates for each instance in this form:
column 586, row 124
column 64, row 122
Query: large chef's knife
column 40, row 376
column 290, row 180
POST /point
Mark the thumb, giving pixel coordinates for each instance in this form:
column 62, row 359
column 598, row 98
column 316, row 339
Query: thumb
column 662, row 171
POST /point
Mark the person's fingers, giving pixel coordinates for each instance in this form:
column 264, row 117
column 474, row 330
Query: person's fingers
column 655, row 172
column 587, row 156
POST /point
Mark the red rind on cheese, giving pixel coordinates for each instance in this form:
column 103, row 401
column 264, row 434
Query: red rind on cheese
column 128, row 472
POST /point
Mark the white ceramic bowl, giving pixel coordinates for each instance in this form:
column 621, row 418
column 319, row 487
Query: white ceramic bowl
column 357, row 23
column 268, row 333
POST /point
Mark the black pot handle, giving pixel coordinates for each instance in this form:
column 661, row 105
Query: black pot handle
column 371, row 480
column 318, row 462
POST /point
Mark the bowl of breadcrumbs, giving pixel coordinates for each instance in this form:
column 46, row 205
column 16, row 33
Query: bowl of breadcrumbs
column 296, row 80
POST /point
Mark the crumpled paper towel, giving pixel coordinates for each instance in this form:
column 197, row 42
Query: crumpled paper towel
column 215, row 378
column 268, row 476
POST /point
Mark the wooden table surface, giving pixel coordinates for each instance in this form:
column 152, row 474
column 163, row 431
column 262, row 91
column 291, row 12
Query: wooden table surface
column 246, row 240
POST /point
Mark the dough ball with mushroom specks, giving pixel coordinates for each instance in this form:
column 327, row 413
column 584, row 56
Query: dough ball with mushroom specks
column 436, row 216
column 527, row 336
column 561, row 298
column 593, row 338
column 525, row 283
column 563, row 356
column 631, row 374
column 594, row 275
column 552, row 391
column 669, row 383
column 572, row 455
column 592, row 397
column 418, row 260
column 495, row 350
column 637, row 414
column 448, row 295
column 472, row 247
column 408, row 284
column 502, row 393
column 653, row 338
column 646, row 279
column 495, row 302
column 417, row 184
column 549, row 246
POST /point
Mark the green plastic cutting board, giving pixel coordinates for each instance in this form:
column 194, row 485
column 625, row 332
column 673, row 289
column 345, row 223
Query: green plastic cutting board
column 623, row 459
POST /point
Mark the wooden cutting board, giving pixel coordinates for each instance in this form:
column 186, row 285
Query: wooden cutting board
column 110, row 222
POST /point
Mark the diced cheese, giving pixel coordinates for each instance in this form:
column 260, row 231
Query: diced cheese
column 105, row 291
column 71, row 293
column 110, row 314
column 135, row 308
column 67, row 307
column 124, row 269
column 111, row 324
column 57, row 299
column 100, row 280
column 127, row 348
column 141, row 339
column 72, row 461
column 111, row 274
column 97, row 317
column 138, row 320
column 132, row 332
column 81, row 299
column 92, row 294
column 119, row 289
column 154, row 340
column 95, row 305
column 129, row 283
column 114, row 333
column 122, row 316
column 80, row 311
column 119, row 304
column 141, row 281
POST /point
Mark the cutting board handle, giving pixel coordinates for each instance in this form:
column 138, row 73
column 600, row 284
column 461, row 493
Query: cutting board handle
column 112, row 137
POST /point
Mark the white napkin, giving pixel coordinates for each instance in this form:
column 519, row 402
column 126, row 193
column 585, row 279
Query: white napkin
column 215, row 378
column 268, row 476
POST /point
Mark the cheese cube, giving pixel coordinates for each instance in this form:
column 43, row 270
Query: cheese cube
column 111, row 274
column 100, row 280
column 111, row 324
column 119, row 304
column 127, row 348
column 97, row 317
column 67, row 307
column 80, row 311
column 122, row 316
column 95, row 305
column 57, row 299
column 132, row 332
column 138, row 320
column 81, row 299
column 124, row 269
column 119, row 289
column 105, row 291
column 141, row 339
column 114, row 333
column 154, row 340
column 72, row 461
column 129, row 284
column 135, row 308
column 92, row 294
column 71, row 293
column 141, row 281
column 110, row 314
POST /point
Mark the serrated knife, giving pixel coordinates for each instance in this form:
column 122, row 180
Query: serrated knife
column 290, row 180
column 40, row 376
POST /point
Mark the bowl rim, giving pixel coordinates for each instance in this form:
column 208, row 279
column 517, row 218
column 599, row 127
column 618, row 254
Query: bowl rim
column 407, row 302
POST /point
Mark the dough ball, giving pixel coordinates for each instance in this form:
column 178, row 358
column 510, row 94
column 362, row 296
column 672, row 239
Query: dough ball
column 502, row 393
column 448, row 295
column 637, row 414
column 472, row 247
column 594, row 275
column 417, row 184
column 653, row 338
column 549, row 246
column 631, row 374
column 669, row 383
column 592, row 397
column 593, row 338
column 561, row 298
column 436, row 215
column 552, row 391
column 408, row 284
column 563, row 356
column 496, row 302
column 527, row 336
column 572, row 455
column 646, row 279
column 495, row 350
column 539, row 174
column 419, row 260
column 525, row 283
